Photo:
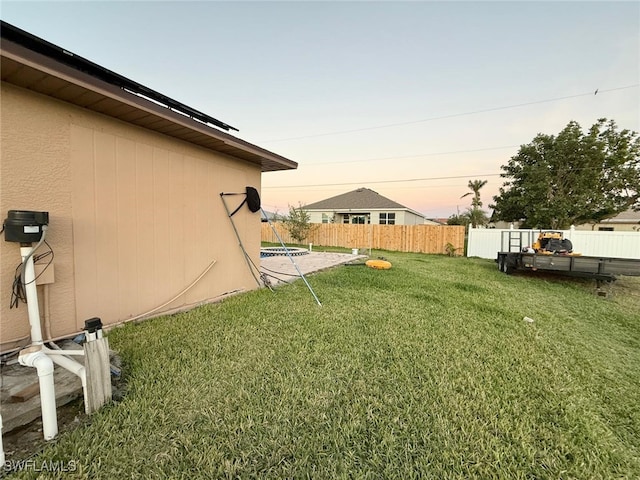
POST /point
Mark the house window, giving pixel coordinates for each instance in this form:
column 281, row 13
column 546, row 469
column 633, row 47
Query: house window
column 605, row 229
column 345, row 219
column 325, row 218
column 387, row 219
column 359, row 219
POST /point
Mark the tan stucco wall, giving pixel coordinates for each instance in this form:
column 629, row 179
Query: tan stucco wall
column 135, row 216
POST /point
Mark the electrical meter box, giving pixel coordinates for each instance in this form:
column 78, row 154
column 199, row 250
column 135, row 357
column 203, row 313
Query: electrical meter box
column 24, row 226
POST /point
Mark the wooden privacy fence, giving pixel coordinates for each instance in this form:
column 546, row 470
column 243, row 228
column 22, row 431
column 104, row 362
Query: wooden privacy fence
column 400, row 238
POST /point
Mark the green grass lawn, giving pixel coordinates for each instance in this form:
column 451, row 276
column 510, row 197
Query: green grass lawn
column 426, row 370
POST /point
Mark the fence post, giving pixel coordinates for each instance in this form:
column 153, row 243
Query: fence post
column 97, row 366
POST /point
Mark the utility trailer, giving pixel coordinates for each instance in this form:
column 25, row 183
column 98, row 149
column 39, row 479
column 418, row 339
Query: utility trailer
column 516, row 253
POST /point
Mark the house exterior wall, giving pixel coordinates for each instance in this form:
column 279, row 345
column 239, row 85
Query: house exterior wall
column 611, row 226
column 409, row 218
column 403, row 217
column 135, row 216
column 316, row 217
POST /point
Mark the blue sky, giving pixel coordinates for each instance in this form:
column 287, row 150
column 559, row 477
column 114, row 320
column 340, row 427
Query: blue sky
column 410, row 99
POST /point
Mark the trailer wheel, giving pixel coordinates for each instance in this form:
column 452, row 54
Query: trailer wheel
column 504, row 265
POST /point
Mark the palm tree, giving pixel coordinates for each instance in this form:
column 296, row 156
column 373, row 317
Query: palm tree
column 476, row 215
column 475, row 186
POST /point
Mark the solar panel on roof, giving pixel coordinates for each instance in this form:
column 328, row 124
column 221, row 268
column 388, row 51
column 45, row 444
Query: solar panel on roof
column 38, row 45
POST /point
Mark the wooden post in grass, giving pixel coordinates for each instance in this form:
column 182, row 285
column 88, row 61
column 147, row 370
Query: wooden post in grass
column 97, row 366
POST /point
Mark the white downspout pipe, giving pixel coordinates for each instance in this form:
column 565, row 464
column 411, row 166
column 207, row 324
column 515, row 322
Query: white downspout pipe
column 44, row 366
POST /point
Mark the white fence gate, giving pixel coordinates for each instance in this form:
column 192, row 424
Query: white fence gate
column 487, row 242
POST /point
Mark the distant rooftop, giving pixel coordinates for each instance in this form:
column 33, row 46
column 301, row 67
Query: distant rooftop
column 362, row 198
column 628, row 216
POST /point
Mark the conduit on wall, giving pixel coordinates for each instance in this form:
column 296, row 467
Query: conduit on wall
column 252, row 199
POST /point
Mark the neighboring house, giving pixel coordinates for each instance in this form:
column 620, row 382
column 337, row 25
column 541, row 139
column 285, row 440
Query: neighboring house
column 628, row 221
column 266, row 216
column 131, row 180
column 363, row 206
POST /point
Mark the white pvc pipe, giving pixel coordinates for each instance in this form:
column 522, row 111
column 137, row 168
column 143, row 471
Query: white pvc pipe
column 1, row 447
column 31, row 292
column 74, row 367
column 69, row 364
column 47, row 312
column 63, row 352
column 38, row 357
column 43, row 364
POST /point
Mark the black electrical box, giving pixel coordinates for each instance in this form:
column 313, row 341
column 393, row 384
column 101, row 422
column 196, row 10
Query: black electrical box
column 93, row 325
column 24, row 226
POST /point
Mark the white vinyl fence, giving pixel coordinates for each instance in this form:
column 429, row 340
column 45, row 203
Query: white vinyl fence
column 487, row 242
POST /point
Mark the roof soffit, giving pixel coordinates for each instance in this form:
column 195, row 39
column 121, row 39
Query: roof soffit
column 36, row 72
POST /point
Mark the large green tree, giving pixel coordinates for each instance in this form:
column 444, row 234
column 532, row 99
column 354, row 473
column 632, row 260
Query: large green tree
column 573, row 178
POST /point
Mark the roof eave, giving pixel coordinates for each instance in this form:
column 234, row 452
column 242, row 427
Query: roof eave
column 36, row 72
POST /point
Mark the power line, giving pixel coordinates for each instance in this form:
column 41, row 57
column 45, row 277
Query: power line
column 454, row 115
column 455, row 177
column 385, row 181
column 453, row 152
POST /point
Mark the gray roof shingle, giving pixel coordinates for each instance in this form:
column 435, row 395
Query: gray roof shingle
column 362, row 198
column 628, row 216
